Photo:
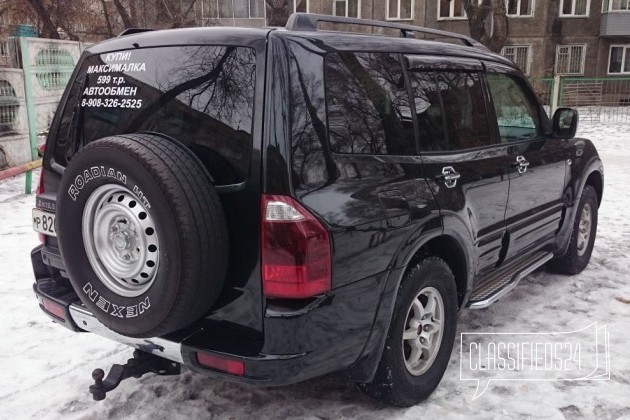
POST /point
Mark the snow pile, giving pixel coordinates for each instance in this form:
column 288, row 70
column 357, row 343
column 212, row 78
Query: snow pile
column 45, row 369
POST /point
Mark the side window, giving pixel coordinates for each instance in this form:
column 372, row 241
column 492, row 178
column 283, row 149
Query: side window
column 368, row 105
column 517, row 115
column 431, row 124
column 451, row 110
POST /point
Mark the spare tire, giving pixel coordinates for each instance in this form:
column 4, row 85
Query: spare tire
column 142, row 233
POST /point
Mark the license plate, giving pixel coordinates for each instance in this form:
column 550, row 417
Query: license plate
column 44, row 222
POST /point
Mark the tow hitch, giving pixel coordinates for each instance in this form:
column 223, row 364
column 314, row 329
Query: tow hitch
column 141, row 363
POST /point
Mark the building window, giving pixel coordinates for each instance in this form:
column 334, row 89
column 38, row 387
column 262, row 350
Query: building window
column 520, row 7
column 4, row 48
column 571, row 8
column 299, row 6
column 619, row 60
column 347, row 8
column 519, row 54
column 616, row 6
column 239, row 9
column 451, row 9
column 570, row 59
column 400, row 9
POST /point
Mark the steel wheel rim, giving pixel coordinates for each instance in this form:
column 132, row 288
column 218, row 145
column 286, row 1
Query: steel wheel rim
column 120, row 240
column 423, row 331
column 584, row 229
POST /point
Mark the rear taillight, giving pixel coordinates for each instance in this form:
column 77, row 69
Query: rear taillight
column 295, row 250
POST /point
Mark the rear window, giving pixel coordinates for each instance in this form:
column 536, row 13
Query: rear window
column 202, row 96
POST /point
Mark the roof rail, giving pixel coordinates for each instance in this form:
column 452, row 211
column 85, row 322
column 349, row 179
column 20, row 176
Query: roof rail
column 309, row 22
column 131, row 31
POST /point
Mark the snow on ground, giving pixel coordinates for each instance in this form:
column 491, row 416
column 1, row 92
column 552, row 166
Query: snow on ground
column 45, row 369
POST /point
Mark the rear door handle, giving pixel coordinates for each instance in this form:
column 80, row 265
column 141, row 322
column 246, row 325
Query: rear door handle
column 449, row 176
column 521, row 164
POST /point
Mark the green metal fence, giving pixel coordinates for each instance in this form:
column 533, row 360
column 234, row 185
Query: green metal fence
column 597, row 99
column 603, row 99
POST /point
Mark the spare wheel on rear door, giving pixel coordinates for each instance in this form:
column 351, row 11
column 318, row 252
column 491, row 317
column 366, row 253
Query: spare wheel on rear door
column 142, row 233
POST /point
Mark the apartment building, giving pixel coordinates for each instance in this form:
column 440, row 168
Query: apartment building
column 589, row 38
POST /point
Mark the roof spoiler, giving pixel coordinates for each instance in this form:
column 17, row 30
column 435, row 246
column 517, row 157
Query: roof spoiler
column 131, row 31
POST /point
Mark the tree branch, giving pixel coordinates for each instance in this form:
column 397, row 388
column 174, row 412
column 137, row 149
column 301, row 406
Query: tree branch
column 127, row 21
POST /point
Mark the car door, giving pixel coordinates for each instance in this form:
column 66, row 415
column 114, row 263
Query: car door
column 463, row 164
column 538, row 163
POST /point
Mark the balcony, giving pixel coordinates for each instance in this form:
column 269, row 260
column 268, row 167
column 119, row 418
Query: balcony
column 615, row 24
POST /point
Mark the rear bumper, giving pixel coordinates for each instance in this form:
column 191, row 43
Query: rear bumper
column 158, row 346
column 297, row 345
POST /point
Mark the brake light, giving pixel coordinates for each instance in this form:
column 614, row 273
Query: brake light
column 295, row 250
column 233, row 367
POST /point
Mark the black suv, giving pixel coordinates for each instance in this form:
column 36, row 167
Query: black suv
column 271, row 205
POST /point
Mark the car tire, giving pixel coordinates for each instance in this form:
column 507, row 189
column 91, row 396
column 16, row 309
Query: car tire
column 142, row 233
column 401, row 378
column 582, row 236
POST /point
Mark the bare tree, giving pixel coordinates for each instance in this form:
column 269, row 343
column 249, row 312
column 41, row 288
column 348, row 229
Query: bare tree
column 110, row 31
column 124, row 15
column 49, row 29
column 277, row 12
column 488, row 22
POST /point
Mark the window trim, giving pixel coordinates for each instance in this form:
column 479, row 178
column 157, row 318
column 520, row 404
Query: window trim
column 572, row 14
column 334, row 8
column 412, row 5
column 450, row 12
column 582, row 61
column 518, row 7
column 528, row 65
column 626, row 50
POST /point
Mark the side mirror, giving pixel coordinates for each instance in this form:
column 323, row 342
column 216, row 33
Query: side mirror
column 565, row 121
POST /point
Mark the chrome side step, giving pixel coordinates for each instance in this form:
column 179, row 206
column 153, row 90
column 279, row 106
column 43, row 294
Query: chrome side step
column 501, row 282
